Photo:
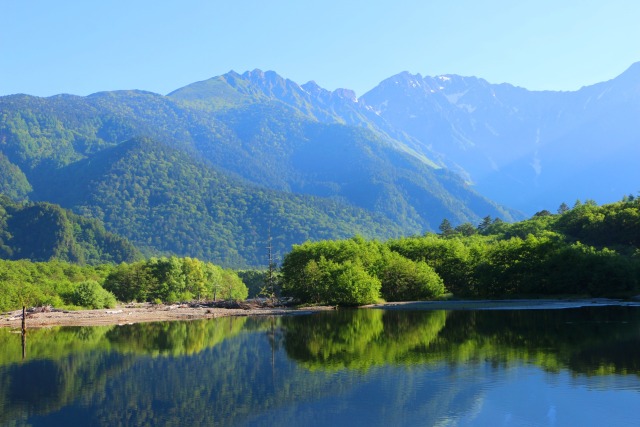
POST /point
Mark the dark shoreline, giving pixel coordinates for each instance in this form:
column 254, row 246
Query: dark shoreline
column 511, row 304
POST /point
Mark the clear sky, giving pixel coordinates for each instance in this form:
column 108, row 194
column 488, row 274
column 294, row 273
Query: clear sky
column 85, row 46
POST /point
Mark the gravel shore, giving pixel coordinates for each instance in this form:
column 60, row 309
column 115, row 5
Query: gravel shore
column 136, row 313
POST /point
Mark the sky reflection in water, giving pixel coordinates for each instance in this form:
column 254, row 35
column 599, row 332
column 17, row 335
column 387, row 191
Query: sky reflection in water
column 351, row 367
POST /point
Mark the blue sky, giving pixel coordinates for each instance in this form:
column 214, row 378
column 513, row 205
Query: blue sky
column 81, row 47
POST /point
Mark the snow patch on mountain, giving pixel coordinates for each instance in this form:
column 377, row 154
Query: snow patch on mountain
column 454, row 97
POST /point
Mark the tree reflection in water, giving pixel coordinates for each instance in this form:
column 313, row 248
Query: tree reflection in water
column 380, row 366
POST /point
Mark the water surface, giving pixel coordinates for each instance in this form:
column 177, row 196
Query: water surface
column 576, row 366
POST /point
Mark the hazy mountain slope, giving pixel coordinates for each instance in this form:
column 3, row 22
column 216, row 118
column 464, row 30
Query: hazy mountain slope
column 530, row 150
column 292, row 153
column 340, row 106
column 280, row 122
column 262, row 141
column 527, row 149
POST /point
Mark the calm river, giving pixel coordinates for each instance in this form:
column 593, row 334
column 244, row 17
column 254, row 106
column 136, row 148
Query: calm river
column 564, row 367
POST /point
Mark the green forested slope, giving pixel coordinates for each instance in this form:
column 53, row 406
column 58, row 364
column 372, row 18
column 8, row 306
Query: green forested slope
column 52, row 148
column 163, row 200
column 13, row 183
column 43, row 232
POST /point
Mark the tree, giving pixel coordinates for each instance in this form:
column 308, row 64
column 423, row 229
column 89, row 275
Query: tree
column 129, row 282
column 446, row 229
column 213, row 277
column 405, row 280
column 485, row 224
column 270, row 281
column 466, row 229
column 563, row 208
column 232, row 286
column 353, row 286
column 171, row 281
column 90, row 294
column 195, row 277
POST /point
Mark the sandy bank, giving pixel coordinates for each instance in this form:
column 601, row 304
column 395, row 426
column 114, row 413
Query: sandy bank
column 138, row 313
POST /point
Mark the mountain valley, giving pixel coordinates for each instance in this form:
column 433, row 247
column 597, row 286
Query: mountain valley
column 218, row 167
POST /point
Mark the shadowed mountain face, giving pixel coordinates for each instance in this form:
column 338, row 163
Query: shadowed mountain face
column 44, row 232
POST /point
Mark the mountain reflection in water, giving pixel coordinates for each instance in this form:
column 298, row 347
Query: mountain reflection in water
column 348, row 367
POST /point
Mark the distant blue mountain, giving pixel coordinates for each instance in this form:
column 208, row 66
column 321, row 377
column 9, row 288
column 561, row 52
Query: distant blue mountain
column 529, row 150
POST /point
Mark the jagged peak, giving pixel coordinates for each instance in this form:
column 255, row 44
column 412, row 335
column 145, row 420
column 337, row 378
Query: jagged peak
column 311, row 84
column 231, row 73
column 313, row 88
column 345, row 94
column 404, row 76
column 255, row 73
column 258, row 74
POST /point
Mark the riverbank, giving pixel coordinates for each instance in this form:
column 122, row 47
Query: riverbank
column 138, row 313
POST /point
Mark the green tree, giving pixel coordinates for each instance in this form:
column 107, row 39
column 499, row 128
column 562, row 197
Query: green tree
column 352, row 285
column 213, row 275
column 405, row 280
column 195, row 277
column 131, row 282
column 445, row 227
column 90, row 294
column 466, row 229
column 484, row 226
column 563, row 208
column 232, row 286
column 171, row 283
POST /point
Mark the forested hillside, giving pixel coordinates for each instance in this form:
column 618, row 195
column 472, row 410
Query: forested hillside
column 210, row 182
column 164, row 201
column 44, row 232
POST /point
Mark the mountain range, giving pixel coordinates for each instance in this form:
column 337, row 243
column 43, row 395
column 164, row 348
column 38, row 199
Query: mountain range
column 218, row 167
column 529, row 150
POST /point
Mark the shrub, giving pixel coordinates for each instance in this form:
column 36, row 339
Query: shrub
column 90, row 294
column 353, row 285
column 406, row 280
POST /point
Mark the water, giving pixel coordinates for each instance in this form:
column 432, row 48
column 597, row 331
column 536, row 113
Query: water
column 354, row 367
